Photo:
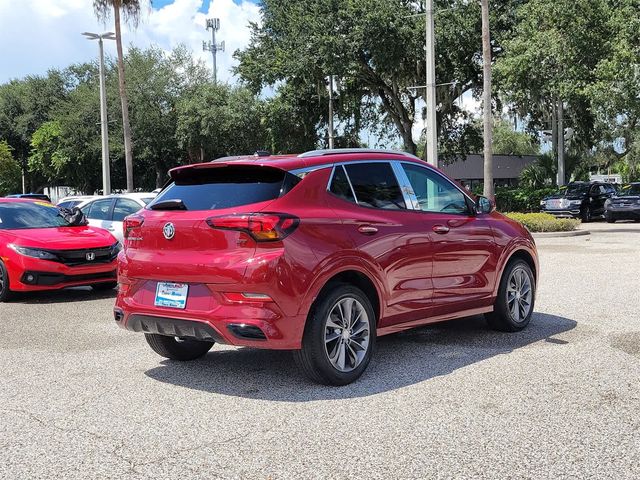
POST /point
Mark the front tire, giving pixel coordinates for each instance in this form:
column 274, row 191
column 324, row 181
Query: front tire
column 175, row 348
column 585, row 215
column 5, row 291
column 514, row 304
column 609, row 218
column 339, row 337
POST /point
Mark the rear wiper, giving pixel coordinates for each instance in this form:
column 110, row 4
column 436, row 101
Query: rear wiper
column 169, row 205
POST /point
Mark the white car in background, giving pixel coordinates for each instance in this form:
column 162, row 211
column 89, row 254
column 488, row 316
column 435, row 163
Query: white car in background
column 74, row 200
column 109, row 212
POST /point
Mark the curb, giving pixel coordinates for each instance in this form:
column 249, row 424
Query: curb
column 575, row 233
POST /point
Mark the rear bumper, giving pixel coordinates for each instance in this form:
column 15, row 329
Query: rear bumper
column 208, row 316
column 30, row 274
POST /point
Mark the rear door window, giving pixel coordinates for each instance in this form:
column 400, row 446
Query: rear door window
column 123, row 208
column 227, row 187
column 340, row 185
column 375, row 185
column 99, row 210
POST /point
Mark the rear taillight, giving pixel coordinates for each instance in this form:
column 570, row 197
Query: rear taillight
column 131, row 223
column 262, row 227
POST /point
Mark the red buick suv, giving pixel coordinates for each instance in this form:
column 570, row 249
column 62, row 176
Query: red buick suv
column 319, row 253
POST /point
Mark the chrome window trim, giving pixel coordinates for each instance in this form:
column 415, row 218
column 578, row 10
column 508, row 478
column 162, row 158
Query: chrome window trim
column 410, row 198
column 353, row 192
column 306, row 170
column 393, row 169
column 333, row 172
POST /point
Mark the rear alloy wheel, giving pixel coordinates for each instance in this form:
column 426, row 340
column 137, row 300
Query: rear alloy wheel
column 339, row 337
column 5, row 292
column 177, row 348
column 515, row 301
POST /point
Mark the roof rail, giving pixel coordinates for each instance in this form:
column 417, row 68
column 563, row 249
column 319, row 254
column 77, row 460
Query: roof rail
column 343, row 151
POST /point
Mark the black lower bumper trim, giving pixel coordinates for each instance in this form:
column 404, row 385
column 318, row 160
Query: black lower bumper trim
column 248, row 332
column 173, row 327
column 48, row 279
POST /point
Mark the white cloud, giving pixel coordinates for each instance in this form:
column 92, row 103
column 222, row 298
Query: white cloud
column 39, row 34
column 466, row 102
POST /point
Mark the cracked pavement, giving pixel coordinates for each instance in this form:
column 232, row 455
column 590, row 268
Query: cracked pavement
column 81, row 398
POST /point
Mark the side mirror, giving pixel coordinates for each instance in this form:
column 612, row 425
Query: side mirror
column 484, row 205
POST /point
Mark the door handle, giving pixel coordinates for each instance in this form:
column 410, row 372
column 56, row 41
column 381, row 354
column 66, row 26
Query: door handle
column 441, row 229
column 367, row 230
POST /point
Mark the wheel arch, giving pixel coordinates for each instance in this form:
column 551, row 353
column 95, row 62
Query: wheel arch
column 350, row 276
column 522, row 254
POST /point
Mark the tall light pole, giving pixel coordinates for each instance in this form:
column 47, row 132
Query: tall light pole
column 430, row 98
column 331, row 131
column 106, row 170
column 212, row 46
column 431, row 131
column 560, row 177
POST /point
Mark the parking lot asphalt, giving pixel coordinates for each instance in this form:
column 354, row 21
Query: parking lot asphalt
column 80, row 398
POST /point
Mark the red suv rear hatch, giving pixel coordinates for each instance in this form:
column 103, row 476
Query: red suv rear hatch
column 178, row 238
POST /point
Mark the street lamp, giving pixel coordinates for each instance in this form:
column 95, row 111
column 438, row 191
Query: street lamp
column 106, row 171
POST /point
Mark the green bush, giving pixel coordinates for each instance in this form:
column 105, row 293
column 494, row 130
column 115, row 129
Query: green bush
column 520, row 199
column 543, row 222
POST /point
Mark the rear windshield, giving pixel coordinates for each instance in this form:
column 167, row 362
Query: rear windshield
column 227, row 187
column 23, row 215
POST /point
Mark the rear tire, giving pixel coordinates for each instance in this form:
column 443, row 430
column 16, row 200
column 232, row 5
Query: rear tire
column 5, row 291
column 101, row 287
column 177, row 349
column 514, row 304
column 339, row 337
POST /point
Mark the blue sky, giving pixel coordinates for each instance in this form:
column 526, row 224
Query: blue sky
column 44, row 34
column 203, row 9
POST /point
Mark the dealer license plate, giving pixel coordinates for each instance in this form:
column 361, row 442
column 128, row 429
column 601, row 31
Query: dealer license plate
column 172, row 295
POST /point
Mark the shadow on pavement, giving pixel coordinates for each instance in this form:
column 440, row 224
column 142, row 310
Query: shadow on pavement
column 400, row 360
column 76, row 294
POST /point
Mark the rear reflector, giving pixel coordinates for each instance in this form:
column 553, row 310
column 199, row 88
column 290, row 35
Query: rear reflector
column 263, row 227
column 247, row 297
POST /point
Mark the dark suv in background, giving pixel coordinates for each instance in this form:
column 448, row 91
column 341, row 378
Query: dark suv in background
column 584, row 200
column 625, row 205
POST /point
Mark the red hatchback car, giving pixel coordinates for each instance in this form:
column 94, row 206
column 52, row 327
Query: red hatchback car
column 39, row 250
column 318, row 253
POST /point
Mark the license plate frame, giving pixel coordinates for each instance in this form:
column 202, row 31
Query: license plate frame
column 171, row 295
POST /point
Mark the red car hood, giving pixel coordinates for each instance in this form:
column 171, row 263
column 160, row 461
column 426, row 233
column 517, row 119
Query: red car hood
column 62, row 238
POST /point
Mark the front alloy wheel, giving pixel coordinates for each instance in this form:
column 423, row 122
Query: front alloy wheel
column 519, row 294
column 513, row 307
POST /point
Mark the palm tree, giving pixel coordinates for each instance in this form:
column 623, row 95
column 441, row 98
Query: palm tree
column 486, row 100
column 131, row 13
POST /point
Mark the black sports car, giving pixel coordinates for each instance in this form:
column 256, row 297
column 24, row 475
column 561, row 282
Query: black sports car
column 625, row 205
